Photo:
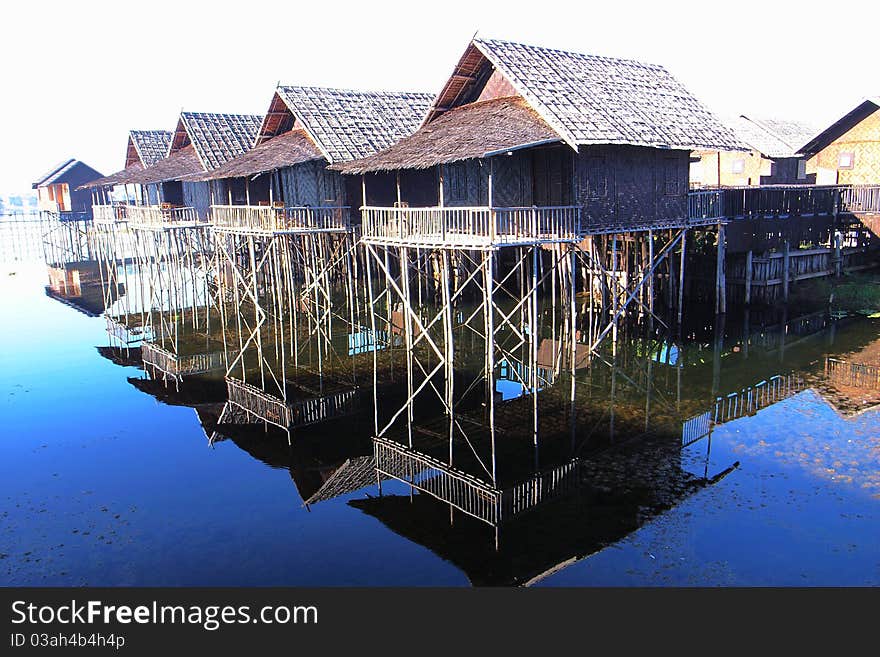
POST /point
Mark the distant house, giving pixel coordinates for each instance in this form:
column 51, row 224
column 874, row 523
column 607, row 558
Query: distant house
column 304, row 130
column 848, row 151
column 772, row 158
column 57, row 190
column 518, row 125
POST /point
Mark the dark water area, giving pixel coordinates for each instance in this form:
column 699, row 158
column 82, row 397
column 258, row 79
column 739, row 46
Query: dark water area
column 108, row 477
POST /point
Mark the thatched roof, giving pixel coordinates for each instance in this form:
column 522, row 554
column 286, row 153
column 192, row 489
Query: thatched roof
column 858, row 114
column 771, row 137
column 287, row 149
column 217, row 138
column 147, row 146
column 590, row 99
column 180, row 163
column 466, row 132
column 346, row 124
column 119, row 178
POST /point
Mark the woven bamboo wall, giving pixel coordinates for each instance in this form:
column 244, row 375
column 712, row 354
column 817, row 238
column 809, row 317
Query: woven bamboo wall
column 863, row 140
column 632, row 185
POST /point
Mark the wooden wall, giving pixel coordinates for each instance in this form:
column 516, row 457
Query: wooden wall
column 631, row 184
column 311, row 184
column 197, row 195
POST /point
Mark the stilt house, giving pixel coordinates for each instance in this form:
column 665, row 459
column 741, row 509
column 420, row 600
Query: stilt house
column 524, row 126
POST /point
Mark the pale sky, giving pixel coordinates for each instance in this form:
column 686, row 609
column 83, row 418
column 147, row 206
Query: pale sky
column 76, row 76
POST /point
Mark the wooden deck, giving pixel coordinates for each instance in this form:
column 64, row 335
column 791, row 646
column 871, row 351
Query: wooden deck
column 780, row 201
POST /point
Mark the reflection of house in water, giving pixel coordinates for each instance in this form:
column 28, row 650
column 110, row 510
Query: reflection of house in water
column 321, row 469
column 78, row 285
column 616, row 492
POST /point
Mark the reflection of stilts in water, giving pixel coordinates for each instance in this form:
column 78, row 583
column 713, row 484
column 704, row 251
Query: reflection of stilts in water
column 285, row 292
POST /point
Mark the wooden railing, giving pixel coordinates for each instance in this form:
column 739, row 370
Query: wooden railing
column 705, row 204
column 467, row 493
column 463, row 225
column 861, row 198
column 752, row 399
column 855, row 375
column 764, row 201
column 108, row 213
column 259, row 218
column 155, row 215
column 258, row 403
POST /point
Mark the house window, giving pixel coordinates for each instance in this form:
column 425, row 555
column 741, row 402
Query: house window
column 846, row 160
column 802, row 169
column 597, row 179
column 672, row 182
column 738, row 166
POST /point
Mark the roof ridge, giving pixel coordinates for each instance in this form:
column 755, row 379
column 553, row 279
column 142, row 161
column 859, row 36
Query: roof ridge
column 373, row 92
column 576, row 53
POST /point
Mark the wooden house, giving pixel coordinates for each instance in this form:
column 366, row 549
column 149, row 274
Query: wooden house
column 200, row 142
column 772, row 158
column 306, row 128
column 57, row 190
column 848, row 151
column 523, row 126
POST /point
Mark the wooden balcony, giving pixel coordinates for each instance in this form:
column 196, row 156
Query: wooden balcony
column 476, row 227
column 780, row 201
column 267, row 219
column 156, row 216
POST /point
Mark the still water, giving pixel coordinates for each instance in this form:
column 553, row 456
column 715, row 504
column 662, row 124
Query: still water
column 104, row 483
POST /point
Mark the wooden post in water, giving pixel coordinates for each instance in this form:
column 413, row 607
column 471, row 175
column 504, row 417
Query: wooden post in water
column 720, row 277
column 681, row 275
column 786, row 263
column 748, row 277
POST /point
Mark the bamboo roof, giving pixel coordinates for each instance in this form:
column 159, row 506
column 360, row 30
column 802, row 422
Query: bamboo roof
column 346, row 124
column 469, row 131
column 859, row 113
column 217, row 138
column 774, row 138
column 287, row 149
